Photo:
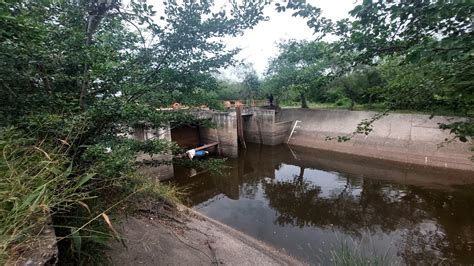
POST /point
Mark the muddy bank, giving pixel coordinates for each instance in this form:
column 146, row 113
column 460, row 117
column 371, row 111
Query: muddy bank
column 407, row 138
column 181, row 236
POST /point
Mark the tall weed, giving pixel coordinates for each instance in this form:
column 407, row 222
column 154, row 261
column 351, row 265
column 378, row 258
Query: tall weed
column 38, row 180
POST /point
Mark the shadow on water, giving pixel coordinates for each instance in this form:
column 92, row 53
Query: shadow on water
column 308, row 202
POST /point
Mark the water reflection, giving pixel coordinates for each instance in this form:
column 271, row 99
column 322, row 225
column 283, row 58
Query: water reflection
column 309, row 201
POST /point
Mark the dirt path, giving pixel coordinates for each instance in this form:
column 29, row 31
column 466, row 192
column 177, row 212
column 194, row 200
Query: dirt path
column 184, row 237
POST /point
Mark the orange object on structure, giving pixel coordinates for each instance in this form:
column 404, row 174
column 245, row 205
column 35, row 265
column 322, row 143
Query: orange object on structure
column 227, row 104
column 176, row 106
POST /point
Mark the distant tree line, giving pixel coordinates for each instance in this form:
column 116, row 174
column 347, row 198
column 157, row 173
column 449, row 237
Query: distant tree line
column 413, row 55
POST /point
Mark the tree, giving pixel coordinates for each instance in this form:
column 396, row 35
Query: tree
column 250, row 82
column 88, row 48
column 301, row 67
column 432, row 36
column 245, row 86
column 353, row 86
column 361, row 85
column 77, row 75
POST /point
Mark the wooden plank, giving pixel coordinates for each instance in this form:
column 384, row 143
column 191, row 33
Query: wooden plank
column 206, row 146
column 240, row 126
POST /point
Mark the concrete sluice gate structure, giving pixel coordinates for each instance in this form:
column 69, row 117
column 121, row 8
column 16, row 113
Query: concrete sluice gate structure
column 401, row 138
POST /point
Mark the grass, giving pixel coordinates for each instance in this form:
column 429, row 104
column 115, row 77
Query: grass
column 40, row 181
column 361, row 252
column 37, row 181
column 347, row 256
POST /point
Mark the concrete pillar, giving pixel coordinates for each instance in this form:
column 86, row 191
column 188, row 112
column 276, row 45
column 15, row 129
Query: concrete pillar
column 260, row 127
column 224, row 132
column 161, row 172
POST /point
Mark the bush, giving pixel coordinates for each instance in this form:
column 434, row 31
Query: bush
column 344, row 102
column 334, row 94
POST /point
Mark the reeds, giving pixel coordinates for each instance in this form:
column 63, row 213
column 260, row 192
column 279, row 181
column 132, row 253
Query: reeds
column 37, row 180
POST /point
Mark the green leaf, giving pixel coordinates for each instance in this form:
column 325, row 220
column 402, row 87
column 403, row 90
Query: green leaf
column 34, row 197
column 84, row 179
column 76, row 239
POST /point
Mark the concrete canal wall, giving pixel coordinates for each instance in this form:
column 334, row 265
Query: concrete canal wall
column 260, row 127
column 408, row 138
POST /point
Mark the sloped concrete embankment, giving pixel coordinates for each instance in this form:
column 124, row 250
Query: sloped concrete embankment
column 186, row 237
column 408, row 138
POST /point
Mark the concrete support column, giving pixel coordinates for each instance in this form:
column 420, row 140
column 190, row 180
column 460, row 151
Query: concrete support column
column 260, row 127
column 161, row 172
column 224, row 132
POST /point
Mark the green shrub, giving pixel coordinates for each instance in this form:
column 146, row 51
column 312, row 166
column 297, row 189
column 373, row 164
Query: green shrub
column 346, row 102
column 334, row 94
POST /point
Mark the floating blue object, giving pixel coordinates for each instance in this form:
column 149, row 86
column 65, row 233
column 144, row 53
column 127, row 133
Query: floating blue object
column 200, row 153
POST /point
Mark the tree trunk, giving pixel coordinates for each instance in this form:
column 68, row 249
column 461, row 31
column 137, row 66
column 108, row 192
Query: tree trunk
column 94, row 19
column 352, row 104
column 45, row 78
column 301, row 175
column 85, row 77
column 84, row 86
column 371, row 96
column 299, row 179
column 304, row 104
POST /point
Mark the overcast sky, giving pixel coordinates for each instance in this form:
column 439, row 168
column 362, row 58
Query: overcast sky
column 260, row 43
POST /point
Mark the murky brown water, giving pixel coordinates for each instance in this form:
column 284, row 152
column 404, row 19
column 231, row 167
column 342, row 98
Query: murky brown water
column 312, row 203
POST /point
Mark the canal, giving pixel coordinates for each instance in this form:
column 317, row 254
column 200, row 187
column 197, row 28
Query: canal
column 319, row 205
